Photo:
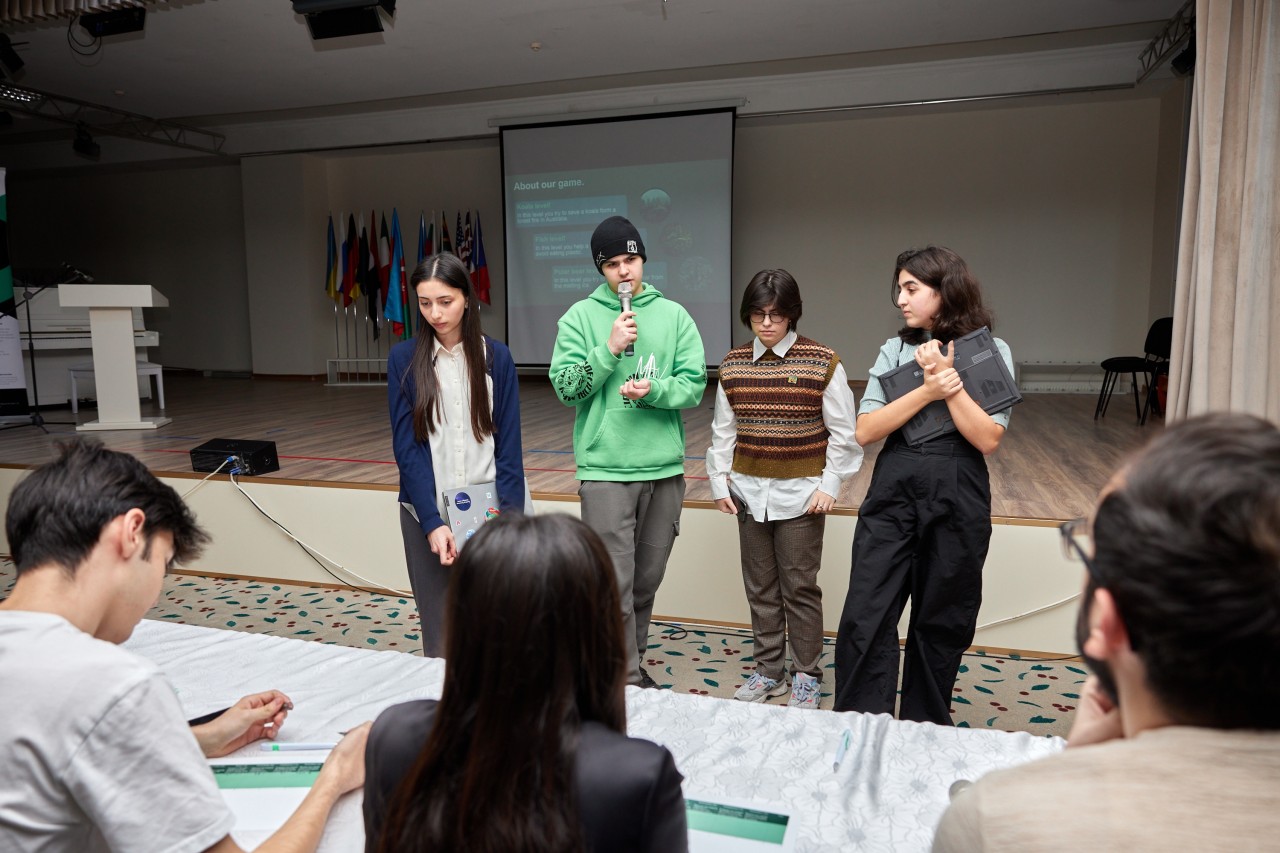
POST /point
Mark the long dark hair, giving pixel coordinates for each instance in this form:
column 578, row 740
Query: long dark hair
column 534, row 644
column 962, row 310
column 447, row 269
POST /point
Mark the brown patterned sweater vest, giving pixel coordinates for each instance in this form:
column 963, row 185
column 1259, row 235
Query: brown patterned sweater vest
column 778, row 405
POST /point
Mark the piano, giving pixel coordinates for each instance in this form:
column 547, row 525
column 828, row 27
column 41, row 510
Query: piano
column 62, row 339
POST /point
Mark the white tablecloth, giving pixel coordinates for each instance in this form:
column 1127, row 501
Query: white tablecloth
column 888, row 795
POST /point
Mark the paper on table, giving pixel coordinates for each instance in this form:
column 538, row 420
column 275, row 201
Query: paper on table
column 262, row 795
column 263, row 809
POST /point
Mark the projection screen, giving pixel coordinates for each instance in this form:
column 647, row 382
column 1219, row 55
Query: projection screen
column 671, row 175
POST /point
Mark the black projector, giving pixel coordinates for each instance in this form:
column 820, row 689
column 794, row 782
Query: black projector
column 250, row 457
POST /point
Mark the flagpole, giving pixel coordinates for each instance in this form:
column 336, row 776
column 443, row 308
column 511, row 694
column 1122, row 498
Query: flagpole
column 368, row 348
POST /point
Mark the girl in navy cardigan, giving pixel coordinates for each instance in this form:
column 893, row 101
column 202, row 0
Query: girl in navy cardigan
column 455, row 421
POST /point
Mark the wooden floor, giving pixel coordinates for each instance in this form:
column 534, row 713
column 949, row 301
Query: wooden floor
column 1050, row 466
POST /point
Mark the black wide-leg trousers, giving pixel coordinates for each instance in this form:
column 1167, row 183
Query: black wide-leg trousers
column 922, row 534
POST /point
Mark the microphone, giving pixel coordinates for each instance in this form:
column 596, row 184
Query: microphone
column 624, row 296
column 75, row 274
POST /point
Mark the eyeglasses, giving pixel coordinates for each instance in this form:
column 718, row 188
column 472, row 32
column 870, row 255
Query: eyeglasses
column 771, row 316
column 1077, row 542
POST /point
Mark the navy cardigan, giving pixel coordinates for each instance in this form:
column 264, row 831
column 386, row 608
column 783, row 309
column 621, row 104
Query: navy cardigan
column 417, row 476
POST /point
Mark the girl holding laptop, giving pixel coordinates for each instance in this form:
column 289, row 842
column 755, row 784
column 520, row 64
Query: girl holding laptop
column 925, row 524
column 455, row 421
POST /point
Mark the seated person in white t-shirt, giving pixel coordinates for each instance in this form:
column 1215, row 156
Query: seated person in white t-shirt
column 95, row 750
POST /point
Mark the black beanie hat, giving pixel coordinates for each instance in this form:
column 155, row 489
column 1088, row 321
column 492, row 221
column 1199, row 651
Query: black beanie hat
column 615, row 236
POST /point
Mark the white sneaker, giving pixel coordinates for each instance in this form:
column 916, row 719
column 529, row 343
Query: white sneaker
column 804, row 691
column 758, row 688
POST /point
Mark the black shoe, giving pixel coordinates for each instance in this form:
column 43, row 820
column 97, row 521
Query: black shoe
column 646, row 681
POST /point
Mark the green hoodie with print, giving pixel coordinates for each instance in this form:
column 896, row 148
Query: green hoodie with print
column 615, row 438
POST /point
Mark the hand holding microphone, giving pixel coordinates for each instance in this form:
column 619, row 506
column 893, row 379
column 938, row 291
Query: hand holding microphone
column 623, row 336
column 624, row 296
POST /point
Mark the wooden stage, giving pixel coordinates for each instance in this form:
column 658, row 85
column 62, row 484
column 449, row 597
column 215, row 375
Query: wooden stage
column 1049, row 467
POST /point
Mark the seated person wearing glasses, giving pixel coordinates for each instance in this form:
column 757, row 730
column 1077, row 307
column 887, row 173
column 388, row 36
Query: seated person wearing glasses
column 1176, row 743
column 95, row 752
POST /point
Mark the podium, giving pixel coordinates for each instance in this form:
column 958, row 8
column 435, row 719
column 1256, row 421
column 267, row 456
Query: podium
column 115, row 365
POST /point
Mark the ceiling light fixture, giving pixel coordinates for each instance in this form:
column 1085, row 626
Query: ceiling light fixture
column 15, row 95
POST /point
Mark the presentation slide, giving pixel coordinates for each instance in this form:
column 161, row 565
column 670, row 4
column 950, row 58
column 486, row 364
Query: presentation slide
column 672, row 176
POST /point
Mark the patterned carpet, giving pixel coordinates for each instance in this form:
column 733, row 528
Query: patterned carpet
column 1006, row 693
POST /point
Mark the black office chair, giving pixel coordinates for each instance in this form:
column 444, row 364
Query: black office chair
column 1154, row 363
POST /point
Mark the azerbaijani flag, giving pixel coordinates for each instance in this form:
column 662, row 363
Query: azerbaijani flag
column 369, row 282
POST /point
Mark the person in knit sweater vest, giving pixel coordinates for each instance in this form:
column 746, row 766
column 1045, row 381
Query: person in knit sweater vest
column 782, row 442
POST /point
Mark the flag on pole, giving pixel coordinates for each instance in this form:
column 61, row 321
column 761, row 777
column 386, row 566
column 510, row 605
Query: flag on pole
column 384, row 259
column 394, row 310
column 368, row 274
column 469, row 258
column 343, row 256
column 372, row 283
column 423, row 250
column 331, row 264
column 408, row 299
column 464, row 248
column 361, row 239
column 352, row 281
column 398, row 303
column 480, row 277
column 445, row 245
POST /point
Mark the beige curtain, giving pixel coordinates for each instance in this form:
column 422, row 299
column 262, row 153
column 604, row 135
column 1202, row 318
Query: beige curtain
column 1226, row 329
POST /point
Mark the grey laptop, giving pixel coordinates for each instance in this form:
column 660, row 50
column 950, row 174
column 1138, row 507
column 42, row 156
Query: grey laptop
column 469, row 507
column 983, row 372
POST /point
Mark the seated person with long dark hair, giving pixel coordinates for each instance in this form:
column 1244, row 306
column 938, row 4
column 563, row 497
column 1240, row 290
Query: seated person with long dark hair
column 527, row 748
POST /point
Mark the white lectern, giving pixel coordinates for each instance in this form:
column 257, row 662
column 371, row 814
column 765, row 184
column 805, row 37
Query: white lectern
column 115, row 365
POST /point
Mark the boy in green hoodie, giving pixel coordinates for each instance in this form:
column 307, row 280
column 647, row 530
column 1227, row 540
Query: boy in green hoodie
column 628, row 437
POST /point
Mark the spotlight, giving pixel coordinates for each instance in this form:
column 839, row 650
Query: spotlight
column 328, row 19
column 8, row 56
column 1184, row 63
column 84, row 145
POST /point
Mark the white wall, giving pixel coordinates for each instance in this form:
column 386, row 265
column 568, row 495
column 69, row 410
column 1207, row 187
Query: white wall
column 290, row 315
column 178, row 229
column 1051, row 205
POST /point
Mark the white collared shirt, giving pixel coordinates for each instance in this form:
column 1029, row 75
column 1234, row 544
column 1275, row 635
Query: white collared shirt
column 773, row 498
column 456, row 457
